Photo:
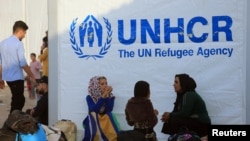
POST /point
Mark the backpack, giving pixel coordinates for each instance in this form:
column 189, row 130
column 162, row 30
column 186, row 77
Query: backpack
column 39, row 135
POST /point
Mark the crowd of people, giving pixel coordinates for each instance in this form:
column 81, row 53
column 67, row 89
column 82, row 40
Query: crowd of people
column 189, row 111
column 12, row 65
column 100, row 124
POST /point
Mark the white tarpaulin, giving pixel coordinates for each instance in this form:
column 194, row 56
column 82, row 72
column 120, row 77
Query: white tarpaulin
column 131, row 40
column 33, row 13
column 135, row 40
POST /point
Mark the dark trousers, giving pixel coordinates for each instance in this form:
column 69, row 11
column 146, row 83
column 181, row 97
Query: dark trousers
column 177, row 124
column 17, row 91
column 148, row 131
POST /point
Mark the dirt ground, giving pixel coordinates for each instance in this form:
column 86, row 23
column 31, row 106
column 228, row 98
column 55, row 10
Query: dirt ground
column 5, row 99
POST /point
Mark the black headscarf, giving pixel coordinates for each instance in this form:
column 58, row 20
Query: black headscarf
column 187, row 84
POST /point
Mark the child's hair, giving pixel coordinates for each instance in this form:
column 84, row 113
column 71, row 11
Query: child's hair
column 33, row 54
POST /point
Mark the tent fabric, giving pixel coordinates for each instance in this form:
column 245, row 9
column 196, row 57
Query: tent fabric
column 33, row 13
column 210, row 45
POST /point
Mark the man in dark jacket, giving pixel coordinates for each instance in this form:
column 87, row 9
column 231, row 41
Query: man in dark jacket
column 40, row 112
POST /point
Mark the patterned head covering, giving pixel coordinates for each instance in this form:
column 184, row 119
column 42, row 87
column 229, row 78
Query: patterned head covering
column 94, row 88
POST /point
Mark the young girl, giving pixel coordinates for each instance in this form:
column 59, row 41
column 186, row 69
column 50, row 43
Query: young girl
column 140, row 112
column 35, row 67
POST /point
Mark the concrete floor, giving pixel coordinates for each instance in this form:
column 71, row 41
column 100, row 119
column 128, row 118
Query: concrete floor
column 5, row 99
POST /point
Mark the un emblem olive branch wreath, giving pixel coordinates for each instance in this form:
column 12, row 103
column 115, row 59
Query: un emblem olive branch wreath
column 78, row 50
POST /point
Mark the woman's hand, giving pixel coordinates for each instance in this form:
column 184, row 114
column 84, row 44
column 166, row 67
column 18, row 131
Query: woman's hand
column 156, row 112
column 107, row 91
column 165, row 117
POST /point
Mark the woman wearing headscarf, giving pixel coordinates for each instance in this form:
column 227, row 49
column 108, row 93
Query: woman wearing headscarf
column 189, row 111
column 140, row 112
column 100, row 124
column 44, row 56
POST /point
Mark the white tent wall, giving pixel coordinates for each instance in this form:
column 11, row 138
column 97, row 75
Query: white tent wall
column 248, row 66
column 54, row 110
column 33, row 13
column 37, row 18
column 223, row 89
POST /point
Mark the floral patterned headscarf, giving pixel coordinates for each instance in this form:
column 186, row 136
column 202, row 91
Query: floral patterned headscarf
column 94, row 88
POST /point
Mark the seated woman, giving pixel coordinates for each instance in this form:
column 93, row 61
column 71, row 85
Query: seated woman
column 100, row 124
column 140, row 112
column 189, row 109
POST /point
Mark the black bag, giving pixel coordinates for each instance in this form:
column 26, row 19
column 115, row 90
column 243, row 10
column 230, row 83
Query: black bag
column 130, row 135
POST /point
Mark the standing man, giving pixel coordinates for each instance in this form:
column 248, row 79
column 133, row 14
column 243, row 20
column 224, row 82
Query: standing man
column 12, row 64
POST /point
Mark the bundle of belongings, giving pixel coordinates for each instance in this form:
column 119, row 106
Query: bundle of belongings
column 20, row 126
column 184, row 135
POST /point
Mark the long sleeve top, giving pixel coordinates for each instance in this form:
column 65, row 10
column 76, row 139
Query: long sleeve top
column 35, row 67
column 103, row 105
column 44, row 59
column 12, row 59
column 42, row 110
column 140, row 110
column 192, row 106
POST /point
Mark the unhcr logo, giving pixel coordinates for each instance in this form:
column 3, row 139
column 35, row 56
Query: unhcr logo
column 87, row 38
